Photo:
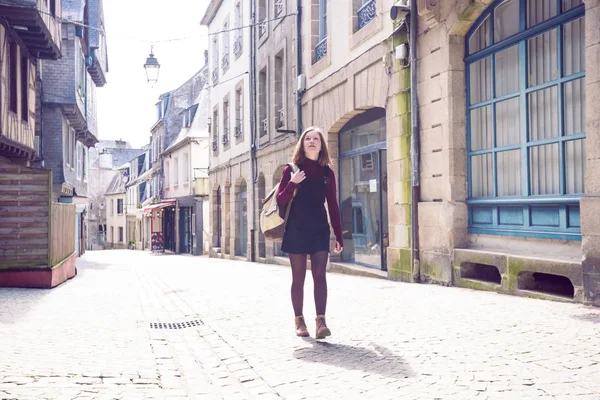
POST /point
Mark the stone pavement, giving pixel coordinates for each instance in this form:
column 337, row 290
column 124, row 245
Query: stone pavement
column 97, row 337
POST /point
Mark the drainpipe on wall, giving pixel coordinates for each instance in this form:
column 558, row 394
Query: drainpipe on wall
column 299, row 93
column 414, row 144
column 253, row 173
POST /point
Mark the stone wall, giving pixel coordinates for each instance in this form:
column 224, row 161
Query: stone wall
column 590, row 205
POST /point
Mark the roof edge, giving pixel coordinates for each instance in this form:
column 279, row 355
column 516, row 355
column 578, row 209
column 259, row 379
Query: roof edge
column 211, row 11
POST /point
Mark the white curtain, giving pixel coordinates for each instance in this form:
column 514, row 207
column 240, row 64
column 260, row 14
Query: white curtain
column 543, row 114
column 540, row 10
column 508, row 128
column 481, row 176
column 544, row 171
column 574, row 47
column 509, row 173
column 506, row 19
column 575, row 162
column 568, row 4
column 481, row 128
column 480, row 81
column 543, row 58
column 507, row 71
column 480, row 39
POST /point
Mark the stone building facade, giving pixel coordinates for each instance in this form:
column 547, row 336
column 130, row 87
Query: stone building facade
column 508, row 176
column 357, row 92
column 276, row 94
column 230, row 177
column 495, row 191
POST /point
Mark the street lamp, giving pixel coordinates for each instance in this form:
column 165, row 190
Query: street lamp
column 152, row 67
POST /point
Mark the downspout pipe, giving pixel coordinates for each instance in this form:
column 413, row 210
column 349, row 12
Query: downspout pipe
column 414, row 143
column 299, row 93
column 253, row 174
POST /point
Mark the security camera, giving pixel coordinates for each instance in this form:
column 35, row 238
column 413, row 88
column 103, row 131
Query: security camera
column 400, row 10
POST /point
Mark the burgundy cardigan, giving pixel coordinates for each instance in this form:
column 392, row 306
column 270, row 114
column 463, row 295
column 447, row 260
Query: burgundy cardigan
column 312, row 169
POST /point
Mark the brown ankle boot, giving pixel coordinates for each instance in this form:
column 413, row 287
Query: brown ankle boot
column 322, row 329
column 301, row 329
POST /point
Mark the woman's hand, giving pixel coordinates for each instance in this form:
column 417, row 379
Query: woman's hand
column 338, row 247
column 298, row 176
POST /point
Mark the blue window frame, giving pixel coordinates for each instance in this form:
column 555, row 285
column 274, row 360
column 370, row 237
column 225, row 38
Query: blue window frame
column 525, row 74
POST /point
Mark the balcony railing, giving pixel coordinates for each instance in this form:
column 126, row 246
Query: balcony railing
column 237, row 45
column 280, row 117
column 278, row 7
column 238, row 130
column 215, row 73
column 225, row 137
column 262, row 29
column 265, row 126
column 225, row 61
column 366, row 13
column 321, row 49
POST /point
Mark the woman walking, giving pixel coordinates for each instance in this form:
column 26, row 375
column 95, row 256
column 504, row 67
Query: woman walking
column 307, row 231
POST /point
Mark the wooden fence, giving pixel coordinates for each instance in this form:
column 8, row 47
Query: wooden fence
column 62, row 232
column 34, row 231
column 24, row 212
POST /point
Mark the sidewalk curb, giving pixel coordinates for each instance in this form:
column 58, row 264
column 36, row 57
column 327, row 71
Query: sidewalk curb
column 341, row 268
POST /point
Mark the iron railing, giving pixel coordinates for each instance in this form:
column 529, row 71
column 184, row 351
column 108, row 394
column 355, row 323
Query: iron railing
column 225, row 137
column 262, row 29
column 225, row 61
column 278, row 7
column 321, row 49
column 280, row 117
column 237, row 45
column 265, row 126
column 238, row 130
column 366, row 13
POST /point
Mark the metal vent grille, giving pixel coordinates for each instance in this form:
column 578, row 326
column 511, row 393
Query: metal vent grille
column 176, row 325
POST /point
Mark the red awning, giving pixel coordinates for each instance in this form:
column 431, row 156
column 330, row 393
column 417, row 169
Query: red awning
column 157, row 206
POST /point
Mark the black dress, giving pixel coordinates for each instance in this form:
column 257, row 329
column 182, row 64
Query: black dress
column 307, row 229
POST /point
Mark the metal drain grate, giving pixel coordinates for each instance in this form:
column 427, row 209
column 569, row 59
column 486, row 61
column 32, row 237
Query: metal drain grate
column 176, row 325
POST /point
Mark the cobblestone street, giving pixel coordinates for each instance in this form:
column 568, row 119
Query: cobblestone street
column 96, row 337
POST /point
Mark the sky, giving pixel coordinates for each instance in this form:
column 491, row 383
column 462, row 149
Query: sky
column 126, row 103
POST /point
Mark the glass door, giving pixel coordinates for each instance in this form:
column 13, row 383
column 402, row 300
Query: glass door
column 364, row 221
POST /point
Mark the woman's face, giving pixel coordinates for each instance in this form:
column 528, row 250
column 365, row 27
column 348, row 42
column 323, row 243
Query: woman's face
column 312, row 144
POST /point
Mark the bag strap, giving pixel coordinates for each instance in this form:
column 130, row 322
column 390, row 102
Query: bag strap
column 289, row 205
column 326, row 174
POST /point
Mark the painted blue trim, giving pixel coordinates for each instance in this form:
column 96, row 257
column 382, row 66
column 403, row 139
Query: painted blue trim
column 557, row 139
column 557, row 199
column 555, row 82
column 363, row 150
column 535, row 30
column 468, row 127
column 524, row 119
column 495, row 150
column 492, row 101
column 546, row 221
column 494, row 141
column 535, row 234
column 556, row 214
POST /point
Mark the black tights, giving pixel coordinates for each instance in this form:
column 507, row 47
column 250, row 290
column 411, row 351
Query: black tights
column 318, row 263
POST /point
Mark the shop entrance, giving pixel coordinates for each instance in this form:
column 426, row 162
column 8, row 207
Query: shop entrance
column 363, row 189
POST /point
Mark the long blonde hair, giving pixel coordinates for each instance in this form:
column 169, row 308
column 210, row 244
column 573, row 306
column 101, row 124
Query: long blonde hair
column 300, row 156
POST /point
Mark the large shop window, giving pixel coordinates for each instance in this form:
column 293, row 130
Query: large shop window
column 525, row 66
